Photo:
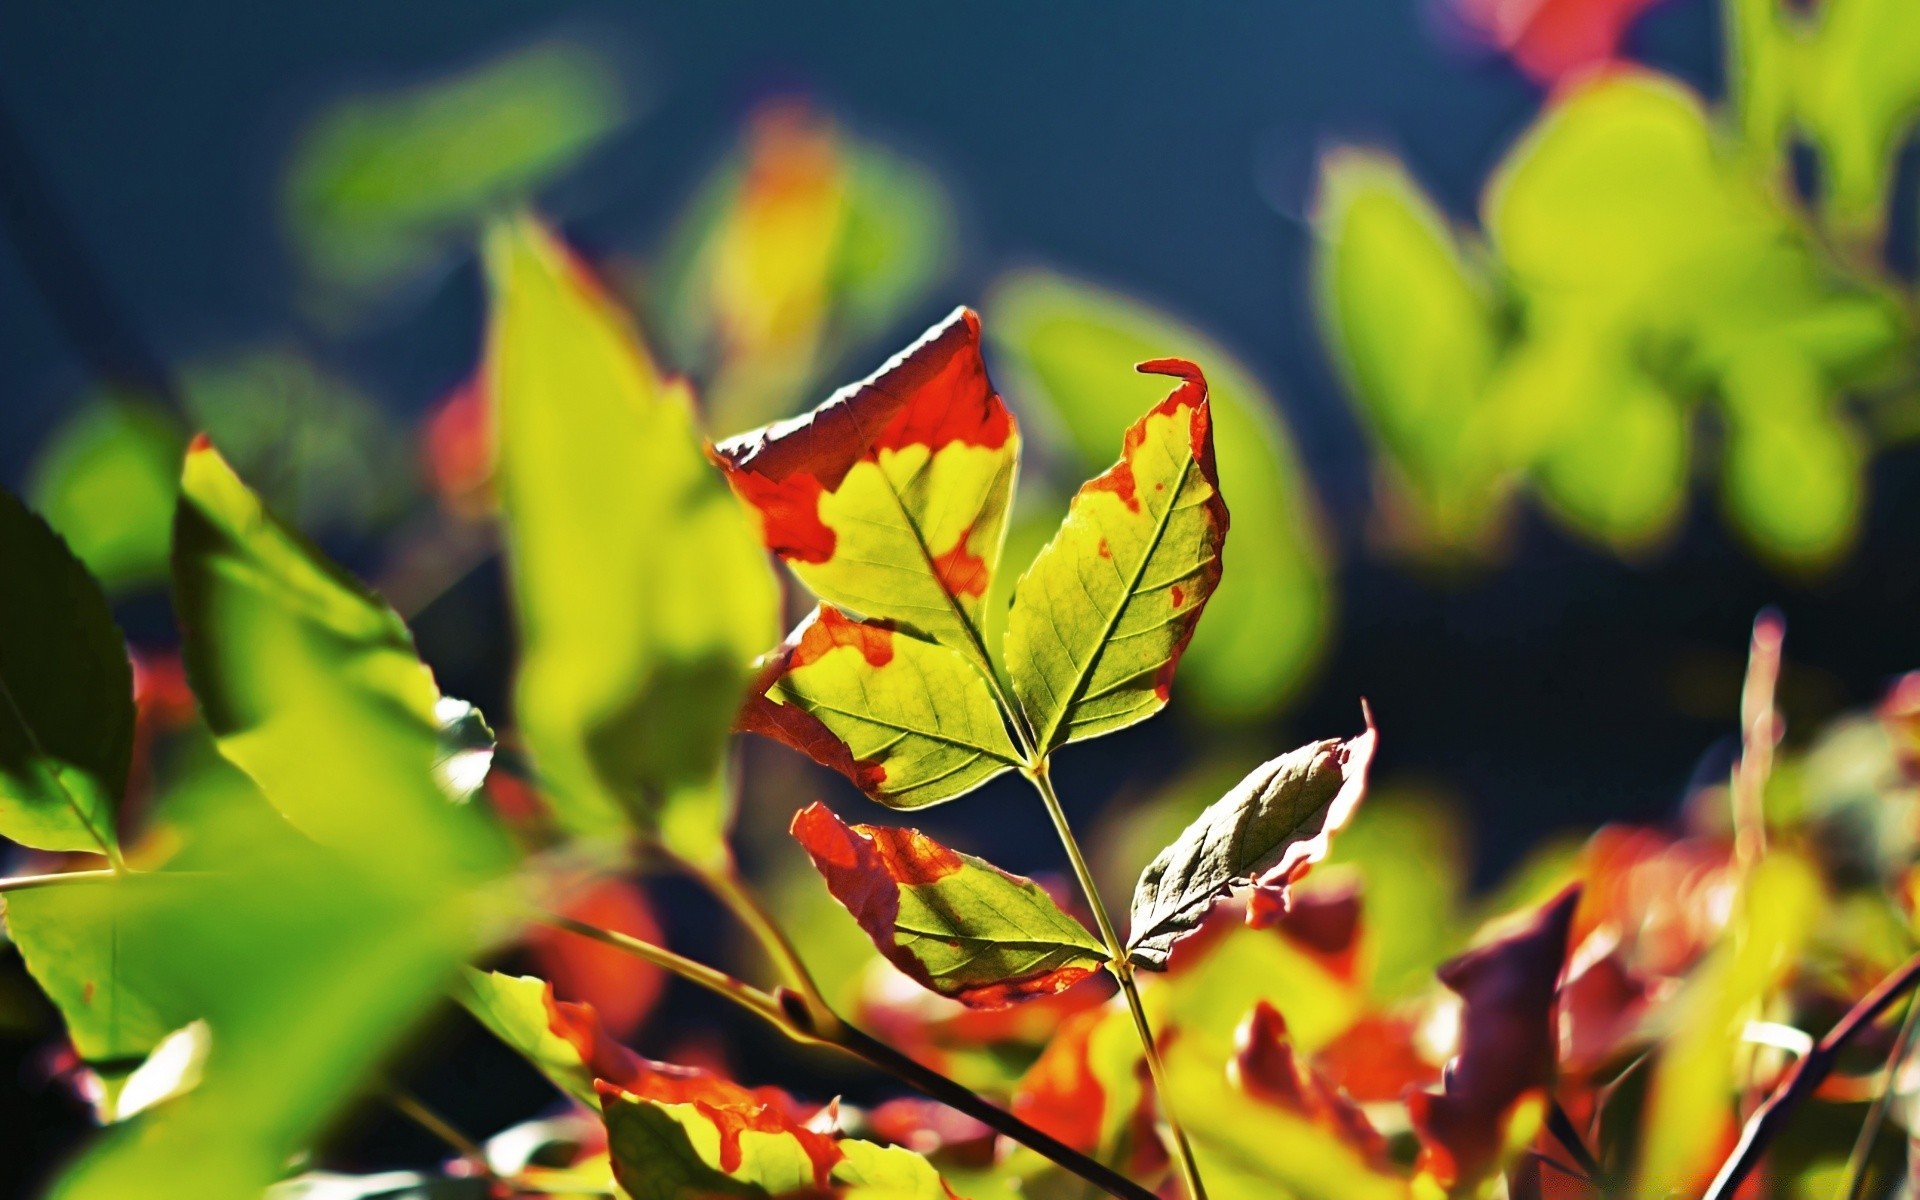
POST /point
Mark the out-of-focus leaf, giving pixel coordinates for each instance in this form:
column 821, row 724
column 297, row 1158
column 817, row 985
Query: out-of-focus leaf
column 1689, row 1120
column 1101, row 618
column 1858, row 93
column 106, row 481
column 386, row 1185
column 1266, row 832
column 665, row 1150
column 1553, row 39
column 564, row 1041
column 956, row 923
column 1794, row 473
column 1071, row 346
column 621, row 988
column 911, row 723
column 1265, row 1067
column 1412, row 325
column 891, row 497
column 1409, row 853
column 1508, row 1046
column 66, row 694
column 642, row 594
column 1083, row 1087
column 801, row 248
column 311, row 684
column 384, row 185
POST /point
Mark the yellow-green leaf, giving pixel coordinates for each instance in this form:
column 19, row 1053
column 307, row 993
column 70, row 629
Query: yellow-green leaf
column 955, row 923
column 910, row 722
column 643, row 595
column 1100, row 619
column 66, row 694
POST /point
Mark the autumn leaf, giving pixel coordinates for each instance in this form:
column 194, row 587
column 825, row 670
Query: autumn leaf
column 66, row 694
column 1100, row 619
column 1274, row 825
column 891, row 498
column 956, row 923
column 1265, row 1067
column 908, row 721
column 1508, row 1048
column 621, row 988
column 642, row 594
column 565, row 1041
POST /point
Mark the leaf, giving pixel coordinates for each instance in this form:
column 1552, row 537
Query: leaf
column 621, row 988
column 909, row 722
column 1084, row 1086
column 666, row 1150
column 564, row 1041
column 105, row 480
column 383, row 184
column 956, row 923
column 1072, row 345
column 1508, row 1048
column 1265, row 1067
column 1273, row 826
column 891, row 498
column 66, row 694
column 1102, row 616
column 642, row 593
column 310, row 683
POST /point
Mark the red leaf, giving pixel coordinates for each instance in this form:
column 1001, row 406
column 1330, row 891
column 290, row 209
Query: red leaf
column 620, row 987
column 1325, row 923
column 1265, row 1067
column 928, row 1127
column 1508, row 1046
column 1060, row 1094
column 1552, row 39
column 1377, row 1059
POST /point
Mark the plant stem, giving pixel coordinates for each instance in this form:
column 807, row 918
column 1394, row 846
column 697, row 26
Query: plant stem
column 1804, row 1077
column 813, row 1022
column 411, row 1107
column 1877, row 1114
column 746, row 908
column 1759, row 733
column 1122, row 970
column 21, row 883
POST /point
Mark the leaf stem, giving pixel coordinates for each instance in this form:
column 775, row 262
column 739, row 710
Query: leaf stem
column 726, row 886
column 805, row 1019
column 1804, row 1077
column 21, row 883
column 410, row 1106
column 1121, row 968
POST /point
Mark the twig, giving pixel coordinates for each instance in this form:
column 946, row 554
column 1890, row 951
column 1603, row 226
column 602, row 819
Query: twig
column 411, row 1107
column 1805, row 1076
column 811, row 1021
column 1877, row 1114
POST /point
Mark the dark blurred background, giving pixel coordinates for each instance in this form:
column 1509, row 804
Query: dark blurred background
column 1166, row 151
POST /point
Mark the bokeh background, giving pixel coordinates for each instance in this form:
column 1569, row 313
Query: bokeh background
column 258, row 219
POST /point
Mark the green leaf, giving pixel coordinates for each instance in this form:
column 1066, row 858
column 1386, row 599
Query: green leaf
column 310, row 683
column 1072, row 345
column 521, row 1011
column 66, row 694
column 955, row 923
column 1102, row 616
column 1267, row 831
column 106, row 480
column 890, row 499
column 910, row 722
column 643, row 595
column 1411, row 324
column 1858, row 92
column 383, row 185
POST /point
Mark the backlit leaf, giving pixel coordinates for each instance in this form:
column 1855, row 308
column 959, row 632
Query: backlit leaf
column 1072, row 346
column 310, row 683
column 910, row 722
column 1100, row 619
column 66, row 694
column 621, row 988
column 891, row 497
column 956, row 923
column 1508, row 1047
column 643, row 596
column 564, row 1041
column 1273, row 826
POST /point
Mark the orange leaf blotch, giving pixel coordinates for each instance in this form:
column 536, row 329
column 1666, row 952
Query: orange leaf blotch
column 1060, row 1094
column 960, row 571
column 833, row 629
column 1179, row 595
column 1508, row 1045
column 1118, row 480
column 911, row 857
column 732, row 1108
column 1265, row 1067
column 933, row 394
column 789, row 724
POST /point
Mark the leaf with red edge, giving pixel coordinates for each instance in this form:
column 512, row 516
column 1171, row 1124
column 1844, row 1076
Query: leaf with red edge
column 1100, row 619
column 1269, row 830
column 1264, row 1067
column 908, row 721
column 957, row 924
column 1508, row 1047
column 621, row 988
column 564, row 1041
column 891, row 497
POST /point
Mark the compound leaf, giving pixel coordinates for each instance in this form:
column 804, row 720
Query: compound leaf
column 891, row 498
column 1267, row 831
column 66, row 694
column 1100, row 619
column 910, row 722
column 957, row 924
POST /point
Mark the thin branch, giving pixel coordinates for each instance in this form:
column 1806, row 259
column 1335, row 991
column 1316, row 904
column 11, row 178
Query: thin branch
column 410, row 1106
column 1877, row 1114
column 1804, row 1077
column 21, row 883
column 807, row 1021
